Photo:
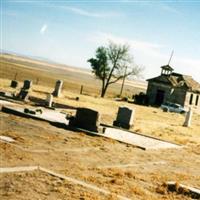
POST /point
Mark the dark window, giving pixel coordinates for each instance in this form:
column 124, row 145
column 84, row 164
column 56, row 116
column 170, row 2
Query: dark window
column 191, row 97
column 197, row 99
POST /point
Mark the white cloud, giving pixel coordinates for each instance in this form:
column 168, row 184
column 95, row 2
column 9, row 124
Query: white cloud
column 143, row 46
column 73, row 9
column 43, row 29
column 87, row 13
column 83, row 12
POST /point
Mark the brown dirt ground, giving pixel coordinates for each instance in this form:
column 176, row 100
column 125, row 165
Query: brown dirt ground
column 108, row 164
column 42, row 186
column 98, row 165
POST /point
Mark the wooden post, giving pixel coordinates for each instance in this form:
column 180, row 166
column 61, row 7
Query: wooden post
column 37, row 81
column 123, row 81
column 15, row 77
column 81, row 91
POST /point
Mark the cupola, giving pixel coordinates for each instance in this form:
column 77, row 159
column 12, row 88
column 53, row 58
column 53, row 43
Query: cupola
column 166, row 70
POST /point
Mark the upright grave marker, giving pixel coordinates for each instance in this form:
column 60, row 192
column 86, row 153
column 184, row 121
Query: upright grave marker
column 188, row 118
column 27, row 85
column 87, row 119
column 49, row 100
column 23, row 94
column 58, row 88
column 13, row 84
column 125, row 117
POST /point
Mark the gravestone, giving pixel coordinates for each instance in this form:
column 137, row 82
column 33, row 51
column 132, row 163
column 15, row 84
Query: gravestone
column 188, row 118
column 49, row 100
column 27, row 85
column 125, row 117
column 58, row 88
column 14, row 84
column 23, row 94
column 86, row 119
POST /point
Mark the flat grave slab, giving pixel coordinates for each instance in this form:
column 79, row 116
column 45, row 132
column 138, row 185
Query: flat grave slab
column 46, row 115
column 138, row 139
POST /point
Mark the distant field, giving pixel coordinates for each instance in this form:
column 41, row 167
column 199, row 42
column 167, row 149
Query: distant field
column 43, row 73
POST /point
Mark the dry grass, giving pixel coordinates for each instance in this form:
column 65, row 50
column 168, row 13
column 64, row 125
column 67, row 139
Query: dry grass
column 148, row 120
column 137, row 182
column 46, row 74
column 142, row 181
column 18, row 185
column 184, row 193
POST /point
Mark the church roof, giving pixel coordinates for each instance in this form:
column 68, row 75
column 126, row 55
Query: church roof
column 167, row 67
column 191, row 83
column 178, row 80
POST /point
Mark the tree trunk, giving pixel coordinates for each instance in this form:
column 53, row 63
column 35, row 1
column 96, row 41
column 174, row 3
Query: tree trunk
column 103, row 88
column 103, row 91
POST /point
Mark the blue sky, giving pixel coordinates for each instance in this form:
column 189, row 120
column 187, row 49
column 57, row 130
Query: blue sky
column 70, row 31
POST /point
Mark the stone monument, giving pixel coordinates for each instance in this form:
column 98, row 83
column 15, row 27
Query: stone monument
column 14, row 84
column 58, row 88
column 86, row 119
column 49, row 100
column 188, row 118
column 125, row 117
column 23, row 94
column 27, row 85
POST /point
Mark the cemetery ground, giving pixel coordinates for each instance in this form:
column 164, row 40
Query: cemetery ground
column 119, row 168
column 109, row 165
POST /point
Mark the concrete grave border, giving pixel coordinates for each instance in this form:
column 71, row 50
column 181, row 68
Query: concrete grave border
column 61, row 176
column 194, row 192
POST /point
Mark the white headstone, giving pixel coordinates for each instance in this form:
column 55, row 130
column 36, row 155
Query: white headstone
column 49, row 100
column 188, row 118
column 58, row 88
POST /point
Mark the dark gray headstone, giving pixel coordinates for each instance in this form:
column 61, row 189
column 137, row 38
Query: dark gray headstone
column 125, row 117
column 14, row 84
column 23, row 94
column 58, row 88
column 87, row 119
column 27, row 85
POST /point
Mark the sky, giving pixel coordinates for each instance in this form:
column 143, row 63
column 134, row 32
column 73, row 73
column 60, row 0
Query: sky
column 69, row 32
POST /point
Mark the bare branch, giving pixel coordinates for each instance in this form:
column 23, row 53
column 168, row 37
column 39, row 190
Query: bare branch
column 113, row 63
column 117, row 79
